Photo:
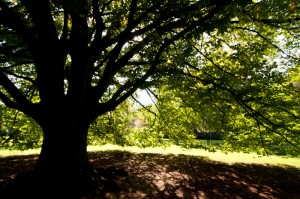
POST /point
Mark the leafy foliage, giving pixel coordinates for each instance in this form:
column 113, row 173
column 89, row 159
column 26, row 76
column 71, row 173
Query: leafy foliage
column 225, row 66
column 246, row 90
column 18, row 131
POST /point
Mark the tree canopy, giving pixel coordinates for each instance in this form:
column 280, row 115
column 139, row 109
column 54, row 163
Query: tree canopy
column 100, row 52
column 232, row 64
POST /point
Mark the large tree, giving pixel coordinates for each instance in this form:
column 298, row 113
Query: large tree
column 64, row 63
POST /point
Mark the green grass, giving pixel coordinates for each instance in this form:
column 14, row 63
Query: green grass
column 7, row 152
column 230, row 158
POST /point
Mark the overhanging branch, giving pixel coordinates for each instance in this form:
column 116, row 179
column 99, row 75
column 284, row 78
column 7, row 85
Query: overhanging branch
column 114, row 64
column 142, row 105
column 19, row 76
column 8, row 102
column 14, row 92
column 263, row 120
column 268, row 41
column 10, row 19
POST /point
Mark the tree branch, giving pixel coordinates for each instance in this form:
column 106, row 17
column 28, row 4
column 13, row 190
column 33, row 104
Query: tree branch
column 268, row 41
column 253, row 113
column 132, row 11
column 212, row 61
column 15, row 93
column 142, row 105
column 8, row 102
column 11, row 20
column 113, row 57
column 17, row 64
column 19, row 76
column 40, row 13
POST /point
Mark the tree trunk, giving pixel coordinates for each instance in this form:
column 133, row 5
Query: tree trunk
column 64, row 148
column 62, row 169
column 63, row 159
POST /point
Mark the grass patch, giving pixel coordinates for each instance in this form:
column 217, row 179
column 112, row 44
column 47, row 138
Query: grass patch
column 229, row 158
column 8, row 152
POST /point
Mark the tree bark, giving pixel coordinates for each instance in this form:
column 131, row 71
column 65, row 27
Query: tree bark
column 62, row 170
column 64, row 148
column 63, row 159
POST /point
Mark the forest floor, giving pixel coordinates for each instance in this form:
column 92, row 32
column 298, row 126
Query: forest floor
column 159, row 176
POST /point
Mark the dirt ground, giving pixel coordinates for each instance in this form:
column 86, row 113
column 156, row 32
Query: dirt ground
column 157, row 176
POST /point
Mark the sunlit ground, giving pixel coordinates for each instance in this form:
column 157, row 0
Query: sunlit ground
column 7, row 152
column 229, row 158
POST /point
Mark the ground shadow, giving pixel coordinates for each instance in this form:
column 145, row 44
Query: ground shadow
column 180, row 176
column 13, row 165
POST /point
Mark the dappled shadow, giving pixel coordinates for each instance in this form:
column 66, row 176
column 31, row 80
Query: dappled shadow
column 13, row 165
column 180, row 176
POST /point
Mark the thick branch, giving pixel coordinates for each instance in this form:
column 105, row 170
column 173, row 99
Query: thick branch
column 111, row 70
column 21, row 63
column 19, row 76
column 8, row 102
column 40, row 13
column 114, row 66
column 12, row 20
column 14, row 92
column 132, row 11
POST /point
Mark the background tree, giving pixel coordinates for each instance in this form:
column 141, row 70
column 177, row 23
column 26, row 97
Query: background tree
column 64, row 63
column 17, row 130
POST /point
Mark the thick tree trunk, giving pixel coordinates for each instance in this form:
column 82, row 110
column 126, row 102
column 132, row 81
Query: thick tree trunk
column 64, row 149
column 63, row 159
column 62, row 169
